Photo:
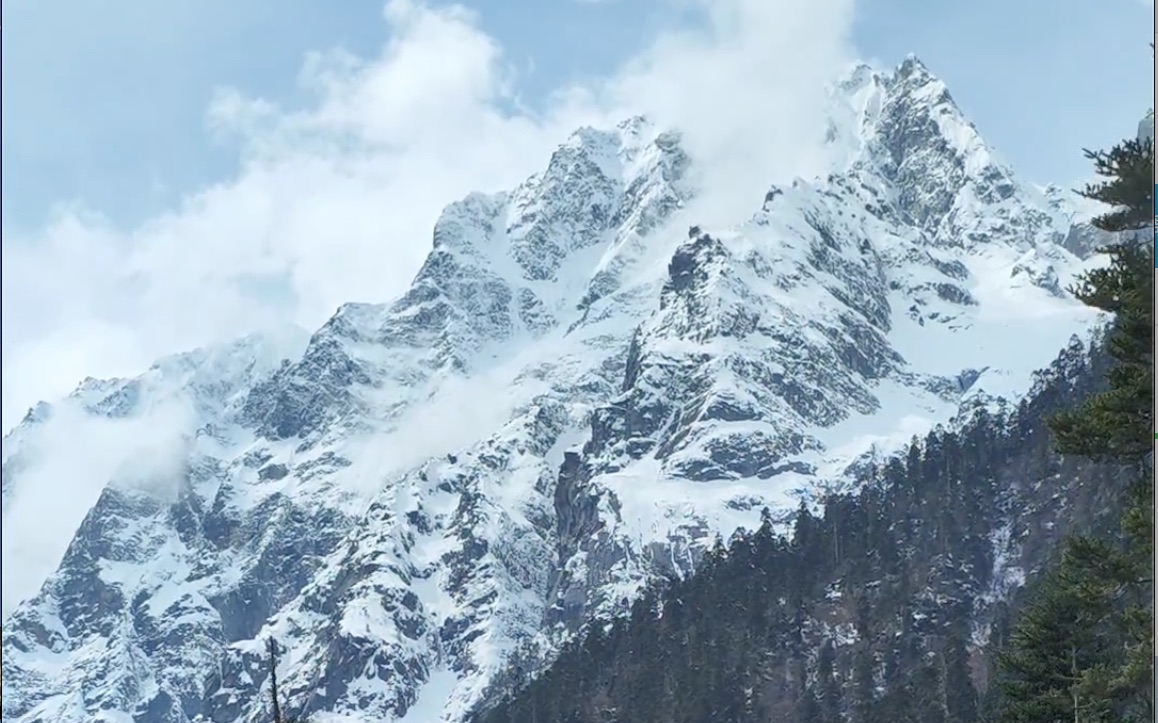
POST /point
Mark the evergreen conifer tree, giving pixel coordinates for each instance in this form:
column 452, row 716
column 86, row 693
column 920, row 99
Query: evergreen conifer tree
column 1083, row 650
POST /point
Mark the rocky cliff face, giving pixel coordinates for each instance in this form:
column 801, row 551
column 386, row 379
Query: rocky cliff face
column 581, row 388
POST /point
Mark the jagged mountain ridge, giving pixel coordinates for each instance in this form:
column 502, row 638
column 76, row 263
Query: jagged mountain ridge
column 574, row 394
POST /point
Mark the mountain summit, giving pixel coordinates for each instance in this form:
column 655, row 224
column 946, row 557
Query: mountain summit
column 580, row 390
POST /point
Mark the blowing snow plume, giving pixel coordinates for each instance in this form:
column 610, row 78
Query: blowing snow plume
column 47, row 493
column 748, row 92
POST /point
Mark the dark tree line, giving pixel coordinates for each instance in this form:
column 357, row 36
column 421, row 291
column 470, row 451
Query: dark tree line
column 866, row 613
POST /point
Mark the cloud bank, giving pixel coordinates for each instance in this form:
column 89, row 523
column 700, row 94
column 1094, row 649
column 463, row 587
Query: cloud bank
column 335, row 201
column 54, row 491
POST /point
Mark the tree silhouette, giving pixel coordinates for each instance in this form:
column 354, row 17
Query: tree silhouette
column 274, row 695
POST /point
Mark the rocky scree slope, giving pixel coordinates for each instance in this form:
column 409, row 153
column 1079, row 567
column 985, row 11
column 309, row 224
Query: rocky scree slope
column 580, row 389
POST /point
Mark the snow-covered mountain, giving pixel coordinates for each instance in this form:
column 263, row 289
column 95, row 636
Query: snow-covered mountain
column 581, row 388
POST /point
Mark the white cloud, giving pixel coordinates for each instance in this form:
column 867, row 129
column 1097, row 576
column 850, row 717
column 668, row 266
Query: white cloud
column 748, row 90
column 55, row 491
column 334, row 202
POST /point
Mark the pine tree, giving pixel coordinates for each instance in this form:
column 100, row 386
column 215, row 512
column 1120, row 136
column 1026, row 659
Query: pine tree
column 1116, row 424
column 960, row 696
column 1056, row 641
column 808, row 708
column 830, row 698
column 1100, row 599
column 864, row 685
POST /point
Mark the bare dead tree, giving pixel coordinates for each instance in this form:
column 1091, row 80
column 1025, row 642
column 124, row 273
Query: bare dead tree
column 271, row 646
column 274, row 693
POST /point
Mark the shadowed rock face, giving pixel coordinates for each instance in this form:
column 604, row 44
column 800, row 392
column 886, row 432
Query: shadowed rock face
column 575, row 395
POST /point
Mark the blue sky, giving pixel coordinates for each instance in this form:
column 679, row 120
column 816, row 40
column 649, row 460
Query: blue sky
column 106, row 104
column 182, row 172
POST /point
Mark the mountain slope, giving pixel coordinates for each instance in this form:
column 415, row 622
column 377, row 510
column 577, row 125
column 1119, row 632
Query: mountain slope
column 889, row 607
column 576, row 394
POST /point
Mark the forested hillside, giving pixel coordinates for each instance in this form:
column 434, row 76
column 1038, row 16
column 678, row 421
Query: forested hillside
column 886, row 608
column 905, row 600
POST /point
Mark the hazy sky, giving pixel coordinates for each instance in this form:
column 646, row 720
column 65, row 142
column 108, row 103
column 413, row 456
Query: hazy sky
column 177, row 172
column 105, row 102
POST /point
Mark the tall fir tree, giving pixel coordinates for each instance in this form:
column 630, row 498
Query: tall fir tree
column 960, row 695
column 1083, row 650
column 1056, row 641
